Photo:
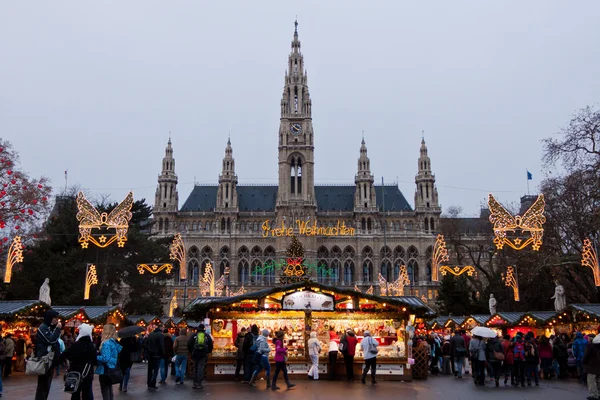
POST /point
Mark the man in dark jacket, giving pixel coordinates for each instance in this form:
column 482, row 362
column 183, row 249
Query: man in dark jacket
column 200, row 346
column 239, row 355
column 248, row 352
column 156, row 351
column 591, row 366
column 168, row 355
column 458, row 352
column 46, row 341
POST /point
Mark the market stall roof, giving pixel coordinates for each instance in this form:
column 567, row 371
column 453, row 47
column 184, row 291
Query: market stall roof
column 592, row 309
column 458, row 320
column 10, row 308
column 510, row 317
column 480, row 318
column 438, row 322
column 68, row 312
column 96, row 313
column 147, row 318
column 542, row 316
column 204, row 303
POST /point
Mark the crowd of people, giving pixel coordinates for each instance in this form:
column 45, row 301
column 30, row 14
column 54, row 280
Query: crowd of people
column 521, row 359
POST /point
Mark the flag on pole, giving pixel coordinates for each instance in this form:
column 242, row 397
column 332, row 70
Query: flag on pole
column 529, row 176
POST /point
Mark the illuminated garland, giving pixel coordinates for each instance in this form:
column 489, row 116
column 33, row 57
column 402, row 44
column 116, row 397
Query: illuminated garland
column 440, row 255
column 356, row 289
column 456, row 270
column 589, row 258
column 208, row 286
column 15, row 256
column 383, row 284
column 240, row 292
column 154, row 268
column 511, row 280
column 177, row 253
column 369, row 290
column 89, row 219
column 283, row 263
column 91, row 278
column 532, row 221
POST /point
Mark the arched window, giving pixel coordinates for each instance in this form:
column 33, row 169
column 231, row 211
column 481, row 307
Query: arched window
column 428, row 271
column 432, row 224
column 364, row 224
column 369, row 224
column 322, row 271
column 334, row 272
column 244, row 271
column 413, row 271
column 194, row 271
column 349, row 252
column 367, row 271
column 222, row 224
column 257, row 275
column 386, row 269
column 426, row 224
column 199, row 225
column 160, row 224
column 166, row 225
column 269, row 273
column 348, row 272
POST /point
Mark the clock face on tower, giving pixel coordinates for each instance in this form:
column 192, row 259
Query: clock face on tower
column 296, row 128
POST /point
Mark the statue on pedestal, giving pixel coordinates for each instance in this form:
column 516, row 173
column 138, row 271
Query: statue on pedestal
column 560, row 298
column 492, row 304
column 45, row 292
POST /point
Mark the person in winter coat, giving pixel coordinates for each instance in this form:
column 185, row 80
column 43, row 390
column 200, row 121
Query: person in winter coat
column 369, row 348
column 82, row 356
column 155, row 351
column 261, row 359
column 239, row 354
column 180, row 349
column 545, row 350
column 446, row 355
column 579, row 345
column 167, row 356
column 20, row 348
column 477, row 353
column 591, row 366
column 519, row 360
column 333, row 352
column 509, row 359
column 249, row 349
column 532, row 359
column 9, row 351
column 467, row 339
column 314, row 350
column 458, row 350
column 561, row 355
column 200, row 346
column 492, row 348
column 45, row 339
column 348, row 343
column 128, row 352
column 280, row 358
column 109, row 355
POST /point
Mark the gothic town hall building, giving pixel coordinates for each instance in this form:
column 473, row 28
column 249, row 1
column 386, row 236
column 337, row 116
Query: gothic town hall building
column 353, row 232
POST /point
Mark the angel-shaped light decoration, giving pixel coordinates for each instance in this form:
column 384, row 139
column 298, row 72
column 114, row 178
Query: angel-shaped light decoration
column 15, row 256
column 397, row 288
column 589, row 258
column 512, row 280
column 532, row 221
column 89, row 219
column 383, row 284
column 440, row 255
column 177, row 253
column 91, row 278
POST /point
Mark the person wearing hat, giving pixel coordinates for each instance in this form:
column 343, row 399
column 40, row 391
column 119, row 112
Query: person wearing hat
column 46, row 341
column 82, row 356
column 261, row 359
column 280, row 359
column 249, row 349
column 239, row 354
column 200, row 346
column 369, row 349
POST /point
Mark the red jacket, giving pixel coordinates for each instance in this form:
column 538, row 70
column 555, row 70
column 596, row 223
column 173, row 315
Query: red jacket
column 545, row 350
column 467, row 339
column 509, row 356
column 352, row 341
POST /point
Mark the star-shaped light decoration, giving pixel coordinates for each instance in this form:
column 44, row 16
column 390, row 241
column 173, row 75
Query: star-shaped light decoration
column 517, row 241
column 102, row 239
column 15, row 256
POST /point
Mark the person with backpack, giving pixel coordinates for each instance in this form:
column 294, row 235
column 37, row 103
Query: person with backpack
column 249, row 349
column 519, row 360
column 369, row 348
column 508, row 348
column 477, row 354
column 578, row 349
column 46, row 341
column 532, row 359
column 200, row 346
column 459, row 353
column 82, row 356
column 261, row 359
column 347, row 347
column 494, row 353
column 155, row 352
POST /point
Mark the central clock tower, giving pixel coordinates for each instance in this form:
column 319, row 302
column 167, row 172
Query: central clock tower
column 296, row 193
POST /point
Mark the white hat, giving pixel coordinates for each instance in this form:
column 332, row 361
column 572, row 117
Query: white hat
column 85, row 330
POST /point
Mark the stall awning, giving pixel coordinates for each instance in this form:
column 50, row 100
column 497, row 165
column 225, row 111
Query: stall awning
column 205, row 303
column 591, row 309
column 542, row 317
column 10, row 308
column 147, row 318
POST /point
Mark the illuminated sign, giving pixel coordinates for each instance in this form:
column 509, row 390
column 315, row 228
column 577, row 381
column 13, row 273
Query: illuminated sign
column 306, row 300
column 305, row 228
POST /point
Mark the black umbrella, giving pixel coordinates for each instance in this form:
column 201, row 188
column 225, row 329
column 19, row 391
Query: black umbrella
column 130, row 331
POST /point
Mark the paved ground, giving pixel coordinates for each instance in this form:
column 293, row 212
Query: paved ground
column 20, row 386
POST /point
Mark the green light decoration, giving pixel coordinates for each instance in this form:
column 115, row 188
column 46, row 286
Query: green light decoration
column 280, row 265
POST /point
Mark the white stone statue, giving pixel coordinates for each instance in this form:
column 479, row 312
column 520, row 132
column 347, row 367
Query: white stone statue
column 45, row 292
column 492, row 304
column 560, row 298
column 109, row 299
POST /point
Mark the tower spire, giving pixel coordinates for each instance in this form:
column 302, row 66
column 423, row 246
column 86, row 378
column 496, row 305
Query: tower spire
column 167, row 198
column 364, row 194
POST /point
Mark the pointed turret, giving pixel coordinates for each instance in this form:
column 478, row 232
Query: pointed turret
column 364, row 195
column 426, row 195
column 166, row 199
column 227, row 193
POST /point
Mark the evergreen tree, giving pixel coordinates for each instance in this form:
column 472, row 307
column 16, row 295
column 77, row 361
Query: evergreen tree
column 294, row 270
column 454, row 296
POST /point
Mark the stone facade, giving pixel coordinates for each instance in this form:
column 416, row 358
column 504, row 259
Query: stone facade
column 226, row 224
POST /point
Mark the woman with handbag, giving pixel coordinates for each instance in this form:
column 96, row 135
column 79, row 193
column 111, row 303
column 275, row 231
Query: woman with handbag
column 369, row 349
column 314, row 349
column 280, row 360
column 109, row 371
column 494, row 354
column 82, row 357
column 46, row 354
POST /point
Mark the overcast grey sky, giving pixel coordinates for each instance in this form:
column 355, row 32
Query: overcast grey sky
column 95, row 88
